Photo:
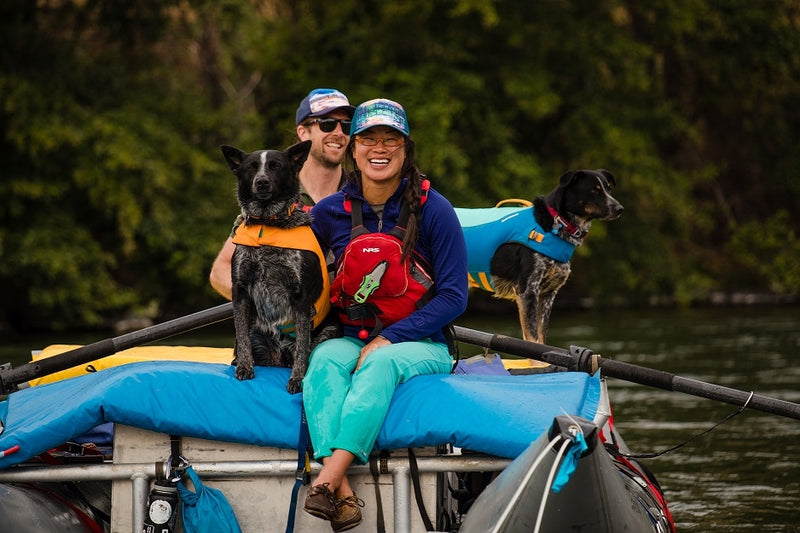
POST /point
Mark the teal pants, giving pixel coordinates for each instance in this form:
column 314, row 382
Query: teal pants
column 346, row 410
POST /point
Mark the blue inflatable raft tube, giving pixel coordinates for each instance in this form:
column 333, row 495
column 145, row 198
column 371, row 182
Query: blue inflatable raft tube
column 497, row 415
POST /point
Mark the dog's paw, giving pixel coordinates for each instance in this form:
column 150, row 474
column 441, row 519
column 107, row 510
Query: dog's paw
column 295, row 385
column 244, row 372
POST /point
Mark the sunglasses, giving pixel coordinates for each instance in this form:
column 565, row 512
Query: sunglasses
column 327, row 125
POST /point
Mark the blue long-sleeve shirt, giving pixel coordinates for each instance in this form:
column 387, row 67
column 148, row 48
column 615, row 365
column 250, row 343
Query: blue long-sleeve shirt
column 440, row 243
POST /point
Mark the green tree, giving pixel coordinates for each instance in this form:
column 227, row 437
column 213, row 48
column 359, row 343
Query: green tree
column 116, row 198
column 110, row 134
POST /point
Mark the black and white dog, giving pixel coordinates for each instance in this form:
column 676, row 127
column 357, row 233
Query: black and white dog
column 278, row 272
column 523, row 254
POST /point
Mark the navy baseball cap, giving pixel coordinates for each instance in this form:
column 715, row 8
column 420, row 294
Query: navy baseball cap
column 379, row 112
column 320, row 102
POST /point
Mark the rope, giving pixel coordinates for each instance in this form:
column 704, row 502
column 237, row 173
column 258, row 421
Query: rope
column 549, row 483
column 690, row 439
column 524, row 483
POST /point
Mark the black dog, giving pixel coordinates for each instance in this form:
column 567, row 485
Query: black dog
column 530, row 248
column 278, row 272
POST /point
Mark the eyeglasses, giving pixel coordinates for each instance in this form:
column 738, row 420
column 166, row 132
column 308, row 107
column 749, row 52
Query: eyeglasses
column 388, row 142
column 327, row 125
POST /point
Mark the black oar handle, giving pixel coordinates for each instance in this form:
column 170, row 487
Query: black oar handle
column 628, row 372
column 579, row 359
column 11, row 378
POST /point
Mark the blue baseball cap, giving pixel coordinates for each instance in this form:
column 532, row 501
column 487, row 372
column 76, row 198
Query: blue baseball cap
column 320, row 102
column 379, row 112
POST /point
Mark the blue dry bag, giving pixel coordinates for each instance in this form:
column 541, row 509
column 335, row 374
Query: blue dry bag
column 487, row 365
column 206, row 510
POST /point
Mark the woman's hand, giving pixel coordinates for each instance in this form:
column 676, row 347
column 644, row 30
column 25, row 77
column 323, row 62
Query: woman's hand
column 377, row 342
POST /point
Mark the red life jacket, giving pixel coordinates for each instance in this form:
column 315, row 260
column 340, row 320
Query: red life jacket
column 374, row 287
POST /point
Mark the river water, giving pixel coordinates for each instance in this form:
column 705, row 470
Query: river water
column 742, row 476
column 745, row 474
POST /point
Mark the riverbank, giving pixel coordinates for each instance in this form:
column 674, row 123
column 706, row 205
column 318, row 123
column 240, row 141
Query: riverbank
column 480, row 302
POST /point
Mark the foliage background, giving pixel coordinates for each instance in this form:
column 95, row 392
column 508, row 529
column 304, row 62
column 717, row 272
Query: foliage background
column 115, row 198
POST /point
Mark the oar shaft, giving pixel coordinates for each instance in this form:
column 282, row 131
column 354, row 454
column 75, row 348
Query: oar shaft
column 711, row 391
column 96, row 350
column 629, row 372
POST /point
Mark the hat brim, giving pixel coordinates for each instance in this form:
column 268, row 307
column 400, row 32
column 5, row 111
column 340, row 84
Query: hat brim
column 365, row 128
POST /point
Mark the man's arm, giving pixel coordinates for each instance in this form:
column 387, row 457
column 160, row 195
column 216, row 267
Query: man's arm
column 220, row 276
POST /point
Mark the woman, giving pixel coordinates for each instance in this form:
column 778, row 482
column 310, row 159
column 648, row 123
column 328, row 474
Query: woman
column 351, row 380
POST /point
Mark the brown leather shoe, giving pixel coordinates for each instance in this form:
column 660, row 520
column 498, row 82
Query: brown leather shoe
column 321, row 502
column 348, row 513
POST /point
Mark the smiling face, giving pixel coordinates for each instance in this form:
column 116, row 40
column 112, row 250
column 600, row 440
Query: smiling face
column 380, row 163
column 327, row 148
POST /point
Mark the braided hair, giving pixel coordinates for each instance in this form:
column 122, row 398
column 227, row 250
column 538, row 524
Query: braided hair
column 411, row 195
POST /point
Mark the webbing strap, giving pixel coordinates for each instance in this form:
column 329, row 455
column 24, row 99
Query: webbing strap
column 357, row 220
column 303, row 473
column 399, row 230
column 175, row 448
column 380, row 526
column 412, row 460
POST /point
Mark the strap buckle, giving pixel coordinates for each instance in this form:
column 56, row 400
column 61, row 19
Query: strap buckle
column 303, row 472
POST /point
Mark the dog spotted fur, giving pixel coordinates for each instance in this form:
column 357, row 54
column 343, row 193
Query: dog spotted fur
column 274, row 285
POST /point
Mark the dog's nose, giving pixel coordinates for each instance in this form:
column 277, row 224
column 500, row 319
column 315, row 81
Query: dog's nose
column 262, row 184
column 263, row 189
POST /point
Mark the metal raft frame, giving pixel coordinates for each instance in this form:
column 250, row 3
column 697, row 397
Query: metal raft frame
column 141, row 475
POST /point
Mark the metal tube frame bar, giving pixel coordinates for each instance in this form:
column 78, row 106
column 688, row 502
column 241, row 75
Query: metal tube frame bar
column 141, row 474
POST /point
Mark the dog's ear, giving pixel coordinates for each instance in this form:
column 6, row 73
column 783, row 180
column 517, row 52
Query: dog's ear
column 608, row 176
column 555, row 197
column 233, row 156
column 297, row 154
column 541, row 214
column 566, row 177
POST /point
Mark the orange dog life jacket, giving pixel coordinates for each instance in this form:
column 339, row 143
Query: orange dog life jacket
column 300, row 238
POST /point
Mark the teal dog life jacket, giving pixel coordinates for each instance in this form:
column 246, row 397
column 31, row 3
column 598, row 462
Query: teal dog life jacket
column 485, row 230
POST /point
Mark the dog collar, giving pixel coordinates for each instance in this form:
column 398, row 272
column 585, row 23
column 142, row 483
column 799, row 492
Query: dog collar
column 568, row 227
column 250, row 220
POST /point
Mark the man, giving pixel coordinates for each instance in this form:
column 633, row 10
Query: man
column 323, row 117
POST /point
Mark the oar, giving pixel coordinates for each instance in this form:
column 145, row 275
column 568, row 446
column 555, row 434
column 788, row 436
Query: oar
column 11, row 378
column 583, row 359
